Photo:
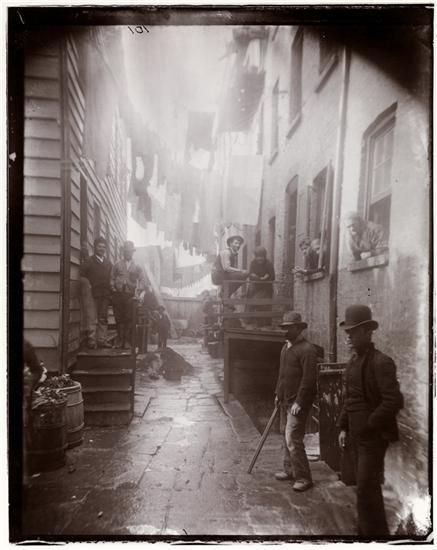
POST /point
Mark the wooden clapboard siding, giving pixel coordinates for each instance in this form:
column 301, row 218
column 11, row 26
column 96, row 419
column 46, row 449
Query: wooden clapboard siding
column 42, row 319
column 42, row 282
column 42, row 338
column 42, row 244
column 42, row 129
column 41, row 206
column 41, row 301
column 42, row 203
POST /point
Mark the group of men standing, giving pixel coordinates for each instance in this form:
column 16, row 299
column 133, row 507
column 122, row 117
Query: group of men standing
column 367, row 422
column 119, row 284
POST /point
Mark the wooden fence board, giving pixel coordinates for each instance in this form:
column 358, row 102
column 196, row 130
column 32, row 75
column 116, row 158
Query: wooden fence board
column 41, row 301
column 44, row 282
column 41, row 108
column 42, row 168
column 47, row 338
column 42, row 66
column 42, row 88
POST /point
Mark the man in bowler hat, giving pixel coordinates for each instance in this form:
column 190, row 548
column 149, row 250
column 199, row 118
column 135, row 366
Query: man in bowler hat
column 295, row 392
column 368, row 418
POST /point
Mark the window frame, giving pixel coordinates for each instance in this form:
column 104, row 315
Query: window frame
column 296, row 66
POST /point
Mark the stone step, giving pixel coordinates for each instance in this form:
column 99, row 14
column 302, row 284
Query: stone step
column 94, row 395
column 103, row 378
column 104, row 359
column 108, row 415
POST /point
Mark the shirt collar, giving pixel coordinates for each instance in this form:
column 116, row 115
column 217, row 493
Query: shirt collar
column 291, row 344
column 101, row 260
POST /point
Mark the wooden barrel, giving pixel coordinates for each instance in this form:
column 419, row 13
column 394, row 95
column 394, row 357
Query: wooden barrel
column 75, row 416
column 48, row 438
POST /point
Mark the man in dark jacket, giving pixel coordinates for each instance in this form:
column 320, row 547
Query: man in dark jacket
column 97, row 270
column 295, row 391
column 368, row 419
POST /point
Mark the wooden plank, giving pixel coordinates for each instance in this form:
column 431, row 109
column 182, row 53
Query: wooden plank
column 75, row 207
column 75, row 302
column 75, row 147
column 75, row 224
column 42, row 206
column 44, row 263
column 75, row 192
column 75, row 292
column 75, row 256
column 42, row 338
column 74, row 331
column 46, row 89
column 42, row 168
column 41, row 319
column 71, row 42
column 75, row 102
column 76, row 89
column 38, row 225
column 42, row 148
column 252, row 314
column 74, row 316
column 42, row 244
column 78, row 119
column 75, row 240
column 43, row 282
column 76, row 125
column 42, row 66
column 41, row 108
column 258, row 301
column 46, row 129
column 41, row 187
column 74, row 273
column 41, row 301
column 72, row 67
column 48, row 49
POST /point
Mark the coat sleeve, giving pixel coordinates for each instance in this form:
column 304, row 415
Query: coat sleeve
column 307, row 388
column 391, row 396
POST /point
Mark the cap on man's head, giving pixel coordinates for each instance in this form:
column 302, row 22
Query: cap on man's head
column 357, row 315
column 128, row 245
column 353, row 216
column 292, row 318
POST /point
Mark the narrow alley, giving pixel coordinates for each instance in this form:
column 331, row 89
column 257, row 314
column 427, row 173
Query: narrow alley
column 179, row 470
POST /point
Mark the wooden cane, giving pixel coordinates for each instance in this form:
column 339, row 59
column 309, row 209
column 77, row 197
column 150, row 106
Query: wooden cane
column 263, row 439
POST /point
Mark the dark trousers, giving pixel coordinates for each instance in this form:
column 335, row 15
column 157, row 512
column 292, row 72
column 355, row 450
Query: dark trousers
column 162, row 338
column 122, row 304
column 368, row 455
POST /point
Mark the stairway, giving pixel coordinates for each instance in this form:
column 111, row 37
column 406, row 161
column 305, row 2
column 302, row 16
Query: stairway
column 107, row 377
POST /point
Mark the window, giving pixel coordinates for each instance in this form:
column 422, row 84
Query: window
column 327, row 48
column 108, row 240
column 275, row 118
column 320, row 215
column 260, row 137
column 290, row 224
column 272, row 232
column 83, row 214
column 296, row 76
column 379, row 158
column 97, row 221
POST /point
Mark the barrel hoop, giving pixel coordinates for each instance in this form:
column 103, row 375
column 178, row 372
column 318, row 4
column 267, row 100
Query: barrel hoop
column 76, row 429
column 75, row 404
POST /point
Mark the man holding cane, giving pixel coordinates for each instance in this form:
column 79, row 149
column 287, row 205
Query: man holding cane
column 295, row 392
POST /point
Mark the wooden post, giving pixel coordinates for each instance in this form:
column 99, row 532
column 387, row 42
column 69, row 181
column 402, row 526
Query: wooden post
column 227, row 368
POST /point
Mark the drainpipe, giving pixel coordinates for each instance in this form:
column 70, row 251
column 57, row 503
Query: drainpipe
column 337, row 192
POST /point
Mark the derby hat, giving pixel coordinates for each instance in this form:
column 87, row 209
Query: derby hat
column 291, row 318
column 232, row 237
column 357, row 315
column 128, row 245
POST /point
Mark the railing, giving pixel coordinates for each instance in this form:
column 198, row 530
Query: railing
column 249, row 304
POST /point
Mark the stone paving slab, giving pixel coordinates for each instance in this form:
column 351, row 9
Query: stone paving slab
column 181, row 468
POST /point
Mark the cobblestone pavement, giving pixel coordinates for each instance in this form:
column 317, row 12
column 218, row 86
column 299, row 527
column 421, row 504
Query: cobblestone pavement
column 180, row 469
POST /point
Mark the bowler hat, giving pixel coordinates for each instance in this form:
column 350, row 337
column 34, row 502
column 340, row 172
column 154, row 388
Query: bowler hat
column 357, row 315
column 232, row 237
column 291, row 318
column 128, row 245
